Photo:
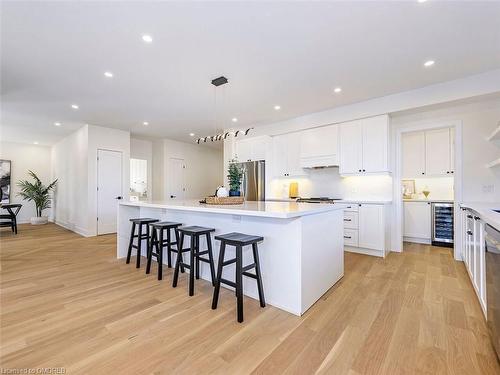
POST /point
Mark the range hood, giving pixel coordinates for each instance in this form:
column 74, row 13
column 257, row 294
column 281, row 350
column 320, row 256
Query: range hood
column 319, row 161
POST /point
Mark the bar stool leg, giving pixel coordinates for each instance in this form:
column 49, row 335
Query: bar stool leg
column 179, row 247
column 192, row 264
column 178, row 260
column 139, row 246
column 131, row 242
column 211, row 258
column 239, row 283
column 159, row 251
column 259, row 275
column 150, row 251
column 215, row 298
column 169, row 250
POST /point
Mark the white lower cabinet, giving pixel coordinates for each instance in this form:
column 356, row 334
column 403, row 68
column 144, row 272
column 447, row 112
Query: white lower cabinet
column 473, row 253
column 417, row 222
column 366, row 229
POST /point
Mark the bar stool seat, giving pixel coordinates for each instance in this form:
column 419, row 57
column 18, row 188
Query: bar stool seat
column 158, row 242
column 139, row 223
column 195, row 255
column 238, row 240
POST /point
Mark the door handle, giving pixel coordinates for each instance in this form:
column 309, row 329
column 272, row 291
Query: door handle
column 119, row 197
column 173, row 196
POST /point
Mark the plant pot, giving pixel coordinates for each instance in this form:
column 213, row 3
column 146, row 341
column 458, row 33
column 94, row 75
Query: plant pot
column 234, row 193
column 39, row 220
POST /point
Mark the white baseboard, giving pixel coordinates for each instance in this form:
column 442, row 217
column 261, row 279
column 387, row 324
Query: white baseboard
column 74, row 228
column 364, row 251
column 423, row 241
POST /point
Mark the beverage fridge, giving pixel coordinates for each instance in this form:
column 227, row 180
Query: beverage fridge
column 442, row 224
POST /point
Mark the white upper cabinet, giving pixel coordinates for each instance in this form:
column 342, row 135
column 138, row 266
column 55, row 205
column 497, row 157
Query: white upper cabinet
column 351, row 153
column 413, row 152
column 364, row 146
column 318, row 147
column 437, row 152
column 428, row 153
column 376, row 144
column 251, row 149
column 286, row 155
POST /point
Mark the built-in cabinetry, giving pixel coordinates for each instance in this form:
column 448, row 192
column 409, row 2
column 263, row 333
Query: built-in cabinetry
column 417, row 222
column 473, row 252
column 319, row 147
column 366, row 229
column 428, row 153
column 252, row 149
column 286, row 155
column 364, row 146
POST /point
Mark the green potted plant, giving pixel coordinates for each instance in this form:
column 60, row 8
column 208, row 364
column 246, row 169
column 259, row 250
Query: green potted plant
column 38, row 193
column 235, row 173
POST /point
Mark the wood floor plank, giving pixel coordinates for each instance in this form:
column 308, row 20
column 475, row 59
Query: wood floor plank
column 67, row 301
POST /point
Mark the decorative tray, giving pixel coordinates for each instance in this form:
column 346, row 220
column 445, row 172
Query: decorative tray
column 224, row 200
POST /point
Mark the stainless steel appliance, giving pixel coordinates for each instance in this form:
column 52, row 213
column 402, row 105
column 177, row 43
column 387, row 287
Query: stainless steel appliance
column 442, row 224
column 493, row 285
column 254, row 180
column 318, row 200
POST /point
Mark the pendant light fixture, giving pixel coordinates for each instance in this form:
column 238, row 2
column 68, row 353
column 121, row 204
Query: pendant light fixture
column 217, row 82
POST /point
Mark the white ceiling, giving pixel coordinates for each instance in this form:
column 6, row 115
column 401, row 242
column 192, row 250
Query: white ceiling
column 293, row 54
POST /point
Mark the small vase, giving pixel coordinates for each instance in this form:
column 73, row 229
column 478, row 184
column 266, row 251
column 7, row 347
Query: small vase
column 39, row 220
column 234, row 193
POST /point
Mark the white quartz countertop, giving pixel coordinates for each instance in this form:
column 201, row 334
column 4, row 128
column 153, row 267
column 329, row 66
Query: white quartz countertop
column 364, row 201
column 283, row 210
column 429, row 200
column 485, row 211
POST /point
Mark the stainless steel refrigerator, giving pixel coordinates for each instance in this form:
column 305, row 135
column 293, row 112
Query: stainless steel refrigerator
column 253, row 184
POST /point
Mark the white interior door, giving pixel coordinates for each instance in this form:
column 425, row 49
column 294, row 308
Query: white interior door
column 109, row 189
column 176, row 168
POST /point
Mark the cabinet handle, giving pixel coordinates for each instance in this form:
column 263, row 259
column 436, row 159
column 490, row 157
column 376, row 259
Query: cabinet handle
column 476, row 218
column 428, row 202
column 348, row 237
column 359, row 205
column 448, row 172
column 452, row 172
column 469, row 232
column 359, row 170
column 469, row 216
column 423, row 172
column 364, row 170
column 347, row 220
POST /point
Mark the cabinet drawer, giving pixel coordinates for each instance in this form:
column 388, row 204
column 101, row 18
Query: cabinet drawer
column 351, row 237
column 350, row 220
column 352, row 207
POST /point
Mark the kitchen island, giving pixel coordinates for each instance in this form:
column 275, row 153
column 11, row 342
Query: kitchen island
column 301, row 257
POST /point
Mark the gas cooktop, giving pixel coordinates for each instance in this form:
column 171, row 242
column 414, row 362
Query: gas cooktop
column 318, row 200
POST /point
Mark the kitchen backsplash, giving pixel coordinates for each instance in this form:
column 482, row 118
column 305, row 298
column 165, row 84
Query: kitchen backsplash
column 326, row 182
column 439, row 187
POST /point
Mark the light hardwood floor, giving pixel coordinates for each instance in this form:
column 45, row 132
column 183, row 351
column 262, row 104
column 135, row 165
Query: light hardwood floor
column 67, row 302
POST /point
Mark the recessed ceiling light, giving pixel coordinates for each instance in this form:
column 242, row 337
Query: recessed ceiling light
column 57, row 123
column 108, row 74
column 337, row 89
column 421, row 1
column 35, row 143
column 74, row 106
column 145, row 123
column 277, row 107
column 429, row 63
column 147, row 38
column 191, row 134
column 234, row 119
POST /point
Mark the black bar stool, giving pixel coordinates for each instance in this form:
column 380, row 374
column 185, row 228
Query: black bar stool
column 238, row 240
column 157, row 243
column 140, row 236
column 194, row 232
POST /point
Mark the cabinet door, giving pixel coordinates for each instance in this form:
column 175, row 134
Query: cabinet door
column 437, row 152
column 319, row 142
column 452, row 150
column 375, row 144
column 280, row 156
column 351, row 147
column 417, row 220
column 258, row 147
column 243, row 150
column 293, row 155
column 413, row 152
column 371, row 232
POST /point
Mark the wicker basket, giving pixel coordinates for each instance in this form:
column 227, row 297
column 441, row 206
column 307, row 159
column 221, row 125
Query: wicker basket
column 225, row 200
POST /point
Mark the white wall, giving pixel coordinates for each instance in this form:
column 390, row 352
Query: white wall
column 70, row 167
column 26, row 157
column 203, row 168
column 105, row 139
